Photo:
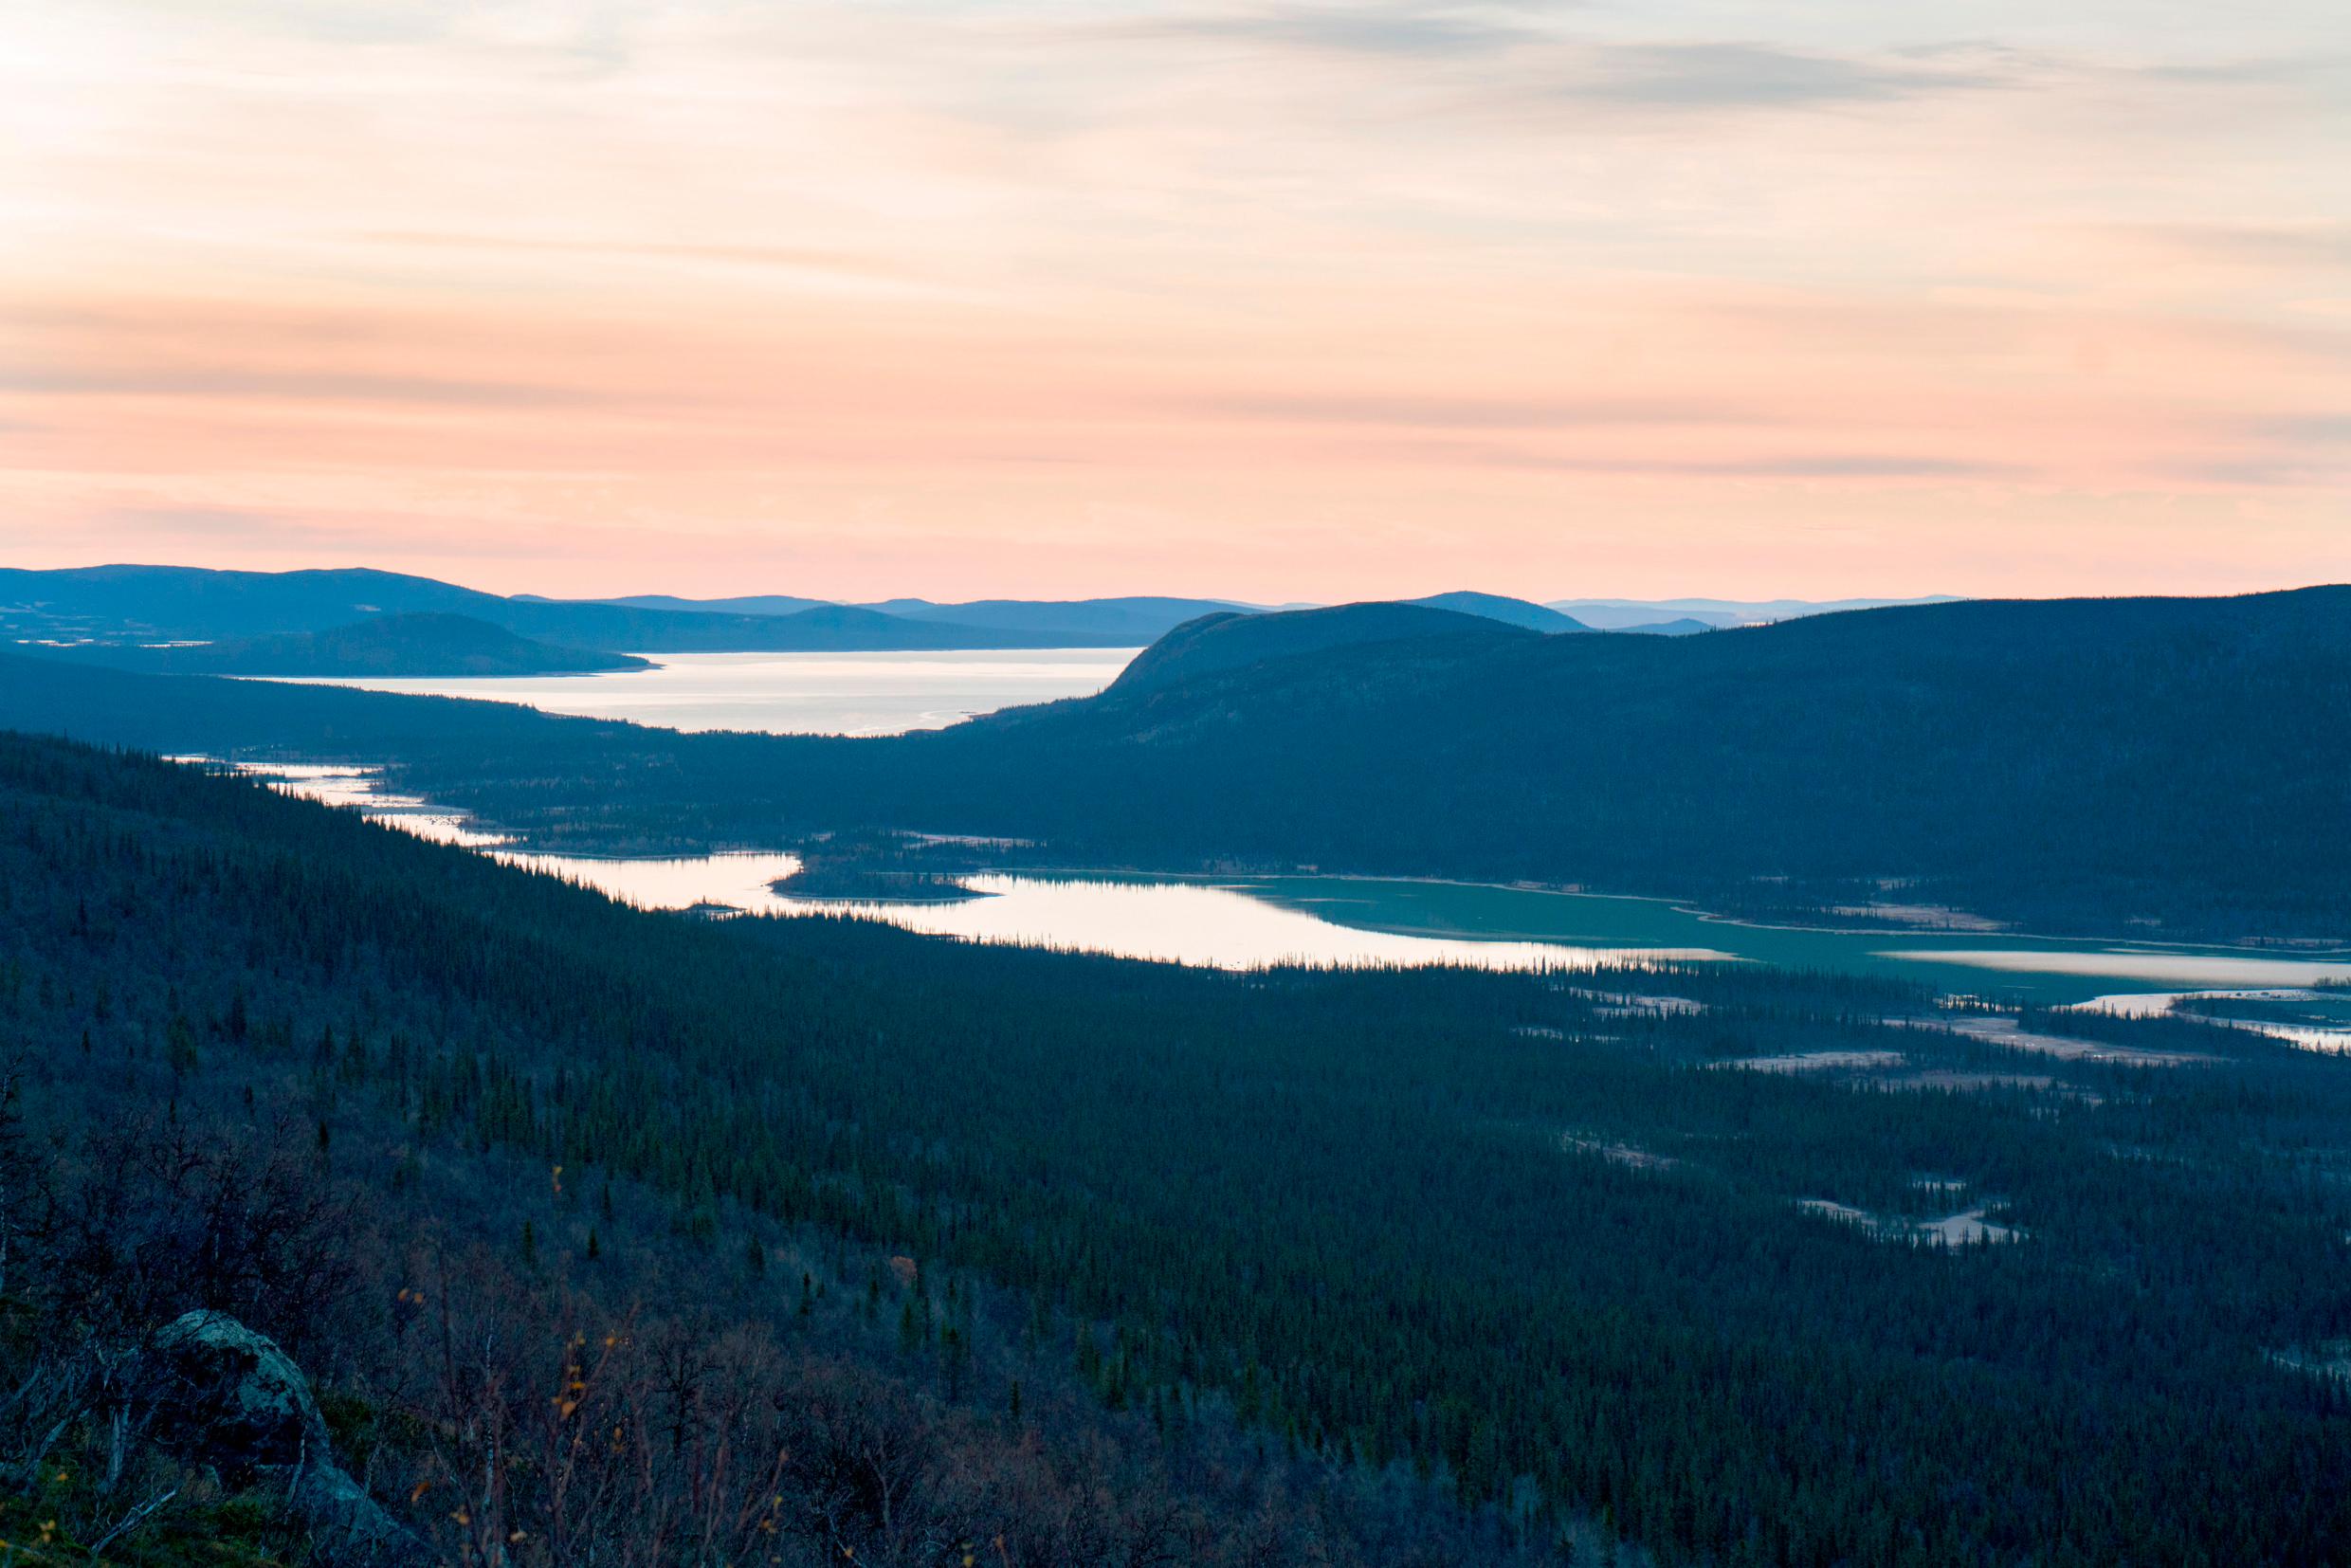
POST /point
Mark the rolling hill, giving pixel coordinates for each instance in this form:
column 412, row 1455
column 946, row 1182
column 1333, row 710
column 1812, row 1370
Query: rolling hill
column 2148, row 754
column 418, row 643
column 171, row 602
column 1136, row 620
column 1226, row 642
column 1494, row 607
column 1681, row 625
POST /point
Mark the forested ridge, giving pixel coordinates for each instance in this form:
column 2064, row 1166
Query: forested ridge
column 129, row 605
column 418, row 643
column 1524, row 1236
column 2178, row 764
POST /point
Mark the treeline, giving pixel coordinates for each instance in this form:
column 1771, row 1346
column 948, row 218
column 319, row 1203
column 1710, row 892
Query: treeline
column 1518, row 1239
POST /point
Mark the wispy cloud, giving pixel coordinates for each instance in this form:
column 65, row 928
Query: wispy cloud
column 218, row 524
column 1515, row 58
column 1861, row 466
column 1369, row 27
column 791, row 256
column 1793, row 466
column 2321, row 243
column 1761, row 76
column 2312, row 67
column 326, row 386
column 306, row 535
column 2263, row 473
column 2315, row 429
column 1179, row 284
column 1483, row 413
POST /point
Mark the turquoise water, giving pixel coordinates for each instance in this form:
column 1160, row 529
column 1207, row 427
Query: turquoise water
column 1239, row 921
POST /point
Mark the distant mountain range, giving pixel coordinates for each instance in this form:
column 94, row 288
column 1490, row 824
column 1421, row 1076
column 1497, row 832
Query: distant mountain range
column 418, row 643
column 167, row 604
column 1677, row 616
column 1132, row 621
column 1135, row 620
column 158, row 604
column 1681, row 627
column 750, row 604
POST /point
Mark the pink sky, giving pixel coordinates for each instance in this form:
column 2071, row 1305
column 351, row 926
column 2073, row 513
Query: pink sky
column 1274, row 300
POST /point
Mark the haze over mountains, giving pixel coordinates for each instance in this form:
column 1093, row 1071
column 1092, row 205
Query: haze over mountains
column 1679, row 615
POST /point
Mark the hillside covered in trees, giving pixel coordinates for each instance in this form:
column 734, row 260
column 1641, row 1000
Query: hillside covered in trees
column 844, row 1242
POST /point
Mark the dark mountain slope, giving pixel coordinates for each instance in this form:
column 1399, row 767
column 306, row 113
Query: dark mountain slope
column 194, row 713
column 1222, row 642
column 2130, row 752
column 422, row 642
column 1494, row 607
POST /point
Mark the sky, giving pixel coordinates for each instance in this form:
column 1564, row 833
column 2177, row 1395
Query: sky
column 1275, row 301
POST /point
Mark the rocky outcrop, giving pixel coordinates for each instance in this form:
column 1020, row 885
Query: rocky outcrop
column 213, row 1392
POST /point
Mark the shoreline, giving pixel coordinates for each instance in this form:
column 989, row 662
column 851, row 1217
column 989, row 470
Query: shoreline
column 2311, row 947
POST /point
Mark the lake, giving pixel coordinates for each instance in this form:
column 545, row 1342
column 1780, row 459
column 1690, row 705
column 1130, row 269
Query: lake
column 1240, row 922
column 1219, row 923
column 740, row 881
column 796, row 693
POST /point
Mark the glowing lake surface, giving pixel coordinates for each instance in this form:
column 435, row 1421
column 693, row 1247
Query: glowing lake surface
column 739, row 881
column 796, row 693
column 1242, row 923
column 1245, row 920
column 2315, row 1020
column 1223, row 925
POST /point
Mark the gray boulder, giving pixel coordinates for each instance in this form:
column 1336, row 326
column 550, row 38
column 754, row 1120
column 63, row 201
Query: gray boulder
column 213, row 1392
